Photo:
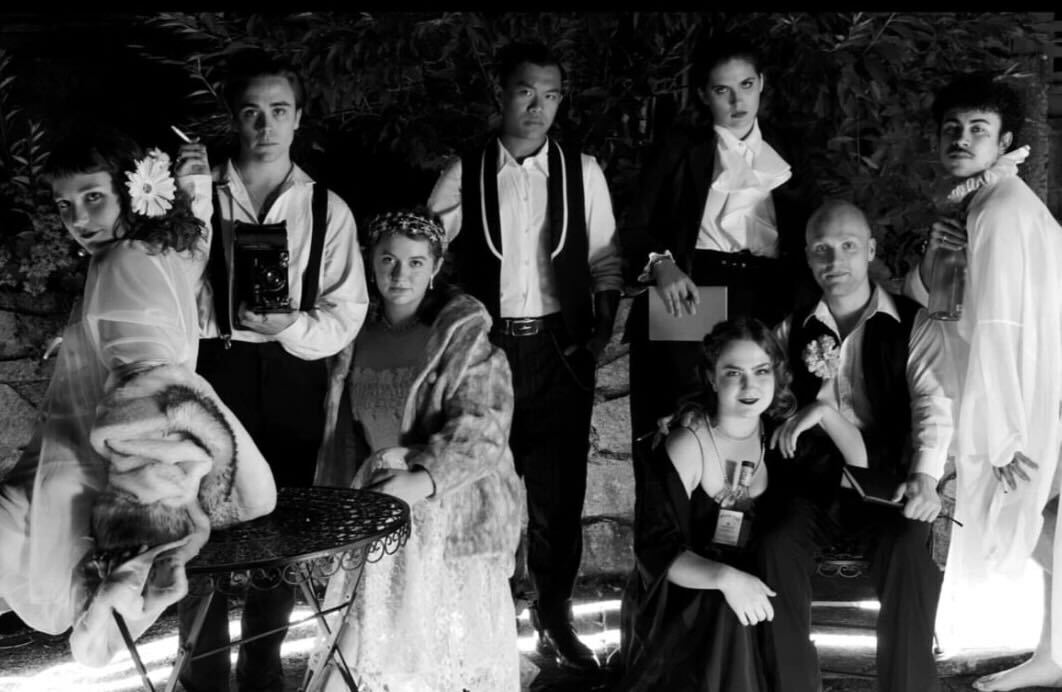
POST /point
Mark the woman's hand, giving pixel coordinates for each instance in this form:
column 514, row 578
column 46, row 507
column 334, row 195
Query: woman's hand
column 410, row 486
column 192, row 160
column 786, row 435
column 677, row 290
column 747, row 596
column 947, row 234
column 1006, row 474
column 124, row 587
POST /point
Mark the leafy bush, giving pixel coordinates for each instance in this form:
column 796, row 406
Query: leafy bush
column 392, row 95
column 35, row 249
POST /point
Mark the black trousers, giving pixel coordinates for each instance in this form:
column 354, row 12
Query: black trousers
column 550, row 441
column 279, row 398
column 905, row 577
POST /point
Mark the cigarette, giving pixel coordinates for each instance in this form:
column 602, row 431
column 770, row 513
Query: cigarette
column 186, row 138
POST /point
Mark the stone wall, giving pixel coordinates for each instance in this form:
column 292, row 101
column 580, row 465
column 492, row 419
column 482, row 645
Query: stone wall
column 27, row 325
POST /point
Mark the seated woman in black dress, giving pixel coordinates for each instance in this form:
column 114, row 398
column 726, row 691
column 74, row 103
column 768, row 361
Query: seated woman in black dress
column 690, row 600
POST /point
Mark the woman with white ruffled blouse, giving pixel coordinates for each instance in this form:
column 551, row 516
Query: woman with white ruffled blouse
column 716, row 208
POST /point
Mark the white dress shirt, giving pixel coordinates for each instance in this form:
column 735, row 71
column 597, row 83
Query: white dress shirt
column 931, row 419
column 527, row 284
column 342, row 298
column 739, row 212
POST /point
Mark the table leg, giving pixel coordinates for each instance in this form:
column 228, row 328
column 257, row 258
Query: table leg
column 190, row 641
column 131, row 645
column 317, row 664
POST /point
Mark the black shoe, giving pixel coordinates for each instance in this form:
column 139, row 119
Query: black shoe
column 568, row 651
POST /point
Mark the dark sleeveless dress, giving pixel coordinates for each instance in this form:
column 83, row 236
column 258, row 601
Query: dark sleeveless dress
column 674, row 638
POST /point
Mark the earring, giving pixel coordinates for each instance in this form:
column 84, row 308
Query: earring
column 431, row 282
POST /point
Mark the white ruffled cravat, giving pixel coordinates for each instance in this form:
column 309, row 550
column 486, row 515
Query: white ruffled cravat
column 749, row 170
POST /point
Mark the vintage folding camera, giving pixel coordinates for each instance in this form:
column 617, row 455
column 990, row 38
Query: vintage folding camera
column 260, row 266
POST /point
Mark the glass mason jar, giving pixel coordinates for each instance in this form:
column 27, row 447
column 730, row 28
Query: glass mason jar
column 947, row 283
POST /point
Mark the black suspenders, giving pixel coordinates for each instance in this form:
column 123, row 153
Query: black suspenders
column 218, row 268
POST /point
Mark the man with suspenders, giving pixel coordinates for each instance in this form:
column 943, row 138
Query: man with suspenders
column 269, row 367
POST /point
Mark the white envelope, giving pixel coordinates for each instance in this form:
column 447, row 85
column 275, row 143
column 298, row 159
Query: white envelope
column 710, row 312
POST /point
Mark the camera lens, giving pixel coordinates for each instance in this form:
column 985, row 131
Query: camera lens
column 272, row 279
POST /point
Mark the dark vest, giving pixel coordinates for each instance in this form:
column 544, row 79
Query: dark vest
column 886, row 345
column 477, row 251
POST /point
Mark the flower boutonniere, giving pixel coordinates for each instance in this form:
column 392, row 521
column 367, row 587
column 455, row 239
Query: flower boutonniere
column 822, row 357
column 151, row 187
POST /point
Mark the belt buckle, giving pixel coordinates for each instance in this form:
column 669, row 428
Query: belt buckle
column 526, row 326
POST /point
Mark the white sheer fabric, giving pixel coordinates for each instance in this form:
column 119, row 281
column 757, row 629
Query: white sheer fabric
column 136, row 307
column 1007, row 350
column 423, row 622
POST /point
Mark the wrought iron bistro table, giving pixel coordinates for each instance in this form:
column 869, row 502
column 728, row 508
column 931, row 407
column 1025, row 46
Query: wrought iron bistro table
column 311, row 535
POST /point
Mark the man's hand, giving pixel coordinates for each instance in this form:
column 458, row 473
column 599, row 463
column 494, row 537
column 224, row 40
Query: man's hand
column 1006, row 474
column 268, row 323
column 947, row 234
column 410, row 486
column 747, row 596
column 677, row 290
column 785, row 436
column 923, row 502
column 192, row 160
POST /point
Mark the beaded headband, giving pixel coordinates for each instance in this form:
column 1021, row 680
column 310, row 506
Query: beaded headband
column 408, row 223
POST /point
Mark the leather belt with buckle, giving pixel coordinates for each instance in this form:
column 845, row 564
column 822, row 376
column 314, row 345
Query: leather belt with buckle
column 527, row 326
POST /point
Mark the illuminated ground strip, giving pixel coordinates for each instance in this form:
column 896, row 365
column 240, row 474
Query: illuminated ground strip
column 158, row 655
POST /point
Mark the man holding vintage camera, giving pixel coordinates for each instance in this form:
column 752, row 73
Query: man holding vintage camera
column 284, row 289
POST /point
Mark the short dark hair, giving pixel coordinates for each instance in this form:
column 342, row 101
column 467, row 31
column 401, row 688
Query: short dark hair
column 512, row 55
column 981, row 91
column 712, row 51
column 247, row 64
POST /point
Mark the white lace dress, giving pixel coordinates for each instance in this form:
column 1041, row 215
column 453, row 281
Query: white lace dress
column 422, row 622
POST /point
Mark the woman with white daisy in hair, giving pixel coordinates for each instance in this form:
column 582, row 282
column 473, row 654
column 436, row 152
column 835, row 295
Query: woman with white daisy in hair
column 136, row 224
column 420, row 406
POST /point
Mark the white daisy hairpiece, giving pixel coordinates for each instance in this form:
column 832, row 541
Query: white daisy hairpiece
column 151, row 187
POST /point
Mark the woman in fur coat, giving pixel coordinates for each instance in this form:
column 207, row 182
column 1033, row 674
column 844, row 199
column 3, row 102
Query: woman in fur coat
column 420, row 407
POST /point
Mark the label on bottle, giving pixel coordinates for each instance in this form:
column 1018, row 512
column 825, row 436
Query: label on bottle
column 747, row 469
column 728, row 527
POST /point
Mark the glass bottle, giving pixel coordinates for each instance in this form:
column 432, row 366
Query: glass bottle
column 740, row 503
column 947, row 283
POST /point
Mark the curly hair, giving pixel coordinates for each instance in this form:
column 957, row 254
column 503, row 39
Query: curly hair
column 744, row 328
column 981, row 91
column 100, row 150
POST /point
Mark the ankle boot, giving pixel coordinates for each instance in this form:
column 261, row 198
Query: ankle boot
column 557, row 638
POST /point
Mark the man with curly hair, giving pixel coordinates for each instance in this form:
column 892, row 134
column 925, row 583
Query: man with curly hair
column 1007, row 371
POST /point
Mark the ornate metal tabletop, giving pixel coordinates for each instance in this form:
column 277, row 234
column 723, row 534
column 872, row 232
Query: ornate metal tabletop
column 311, row 533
